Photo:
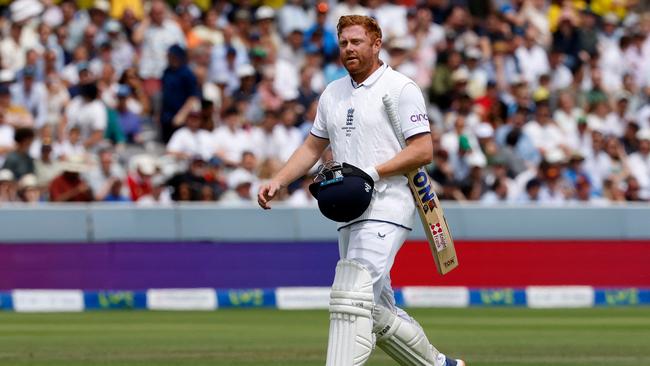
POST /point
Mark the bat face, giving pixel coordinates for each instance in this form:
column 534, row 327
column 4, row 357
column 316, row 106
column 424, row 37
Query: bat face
column 422, row 184
column 433, row 221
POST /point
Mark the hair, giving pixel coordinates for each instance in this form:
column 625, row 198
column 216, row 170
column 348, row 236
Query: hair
column 23, row 134
column 368, row 23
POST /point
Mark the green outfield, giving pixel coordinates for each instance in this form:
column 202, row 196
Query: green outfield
column 484, row 337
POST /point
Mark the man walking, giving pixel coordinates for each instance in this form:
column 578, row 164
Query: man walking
column 351, row 118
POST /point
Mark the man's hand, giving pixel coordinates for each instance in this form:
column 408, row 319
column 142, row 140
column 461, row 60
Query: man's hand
column 267, row 192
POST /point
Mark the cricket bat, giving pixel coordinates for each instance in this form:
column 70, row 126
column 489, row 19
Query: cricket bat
column 429, row 209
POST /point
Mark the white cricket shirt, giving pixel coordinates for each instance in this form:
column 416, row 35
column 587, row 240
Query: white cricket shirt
column 352, row 117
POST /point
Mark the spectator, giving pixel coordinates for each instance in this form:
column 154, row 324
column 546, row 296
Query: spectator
column 8, row 191
column 6, row 137
column 106, row 177
column 240, row 183
column 139, row 180
column 46, row 167
column 28, row 189
column 180, row 92
column 130, row 123
column 69, row 186
column 191, row 140
column 156, row 34
column 87, row 113
column 18, row 161
column 639, row 164
column 192, row 185
column 31, row 95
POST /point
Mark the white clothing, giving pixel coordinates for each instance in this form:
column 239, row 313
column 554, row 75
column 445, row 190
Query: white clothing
column 545, row 137
column 68, row 149
column 356, row 124
column 199, row 142
column 375, row 245
column 533, row 62
column 340, row 9
column 6, row 139
column 301, row 198
column 156, row 42
column 89, row 117
column 285, row 141
column 231, row 143
column 34, row 101
column 640, row 168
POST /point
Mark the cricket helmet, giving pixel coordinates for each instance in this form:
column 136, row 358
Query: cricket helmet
column 342, row 190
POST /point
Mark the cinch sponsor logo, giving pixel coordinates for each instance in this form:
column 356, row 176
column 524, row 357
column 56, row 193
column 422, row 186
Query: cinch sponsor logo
column 425, row 191
column 419, row 117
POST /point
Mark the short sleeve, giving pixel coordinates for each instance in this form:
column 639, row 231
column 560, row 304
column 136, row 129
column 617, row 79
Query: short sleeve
column 412, row 111
column 319, row 129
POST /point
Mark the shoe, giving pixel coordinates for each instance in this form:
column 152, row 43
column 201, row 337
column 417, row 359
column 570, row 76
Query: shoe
column 452, row 362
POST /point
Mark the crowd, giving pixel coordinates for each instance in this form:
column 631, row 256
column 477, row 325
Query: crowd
column 152, row 101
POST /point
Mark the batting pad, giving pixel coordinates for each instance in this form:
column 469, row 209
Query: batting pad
column 351, row 302
column 404, row 340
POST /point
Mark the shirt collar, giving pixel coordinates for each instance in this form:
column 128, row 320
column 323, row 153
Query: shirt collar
column 372, row 78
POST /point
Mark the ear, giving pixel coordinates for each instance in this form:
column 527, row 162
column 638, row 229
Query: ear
column 376, row 46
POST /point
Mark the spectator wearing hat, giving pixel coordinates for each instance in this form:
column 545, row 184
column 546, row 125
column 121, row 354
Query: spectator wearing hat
column 94, row 18
column 139, row 180
column 87, row 112
column 31, row 95
column 180, row 92
column 18, row 161
column 8, row 188
column 639, row 163
column 28, row 189
column 14, row 114
column 240, row 187
column 69, row 186
column 265, row 24
column 155, row 35
column 513, row 135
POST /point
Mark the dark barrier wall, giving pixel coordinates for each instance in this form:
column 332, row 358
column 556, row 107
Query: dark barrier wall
column 131, row 265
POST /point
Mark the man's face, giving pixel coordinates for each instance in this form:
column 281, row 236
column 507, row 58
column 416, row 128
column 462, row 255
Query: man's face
column 357, row 49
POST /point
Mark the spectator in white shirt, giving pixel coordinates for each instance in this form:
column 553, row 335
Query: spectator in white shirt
column 6, row 137
column 191, row 140
column 89, row 114
column 31, row 95
column 532, row 58
column 156, row 34
column 639, row 163
column 230, row 140
column 72, row 145
column 545, row 133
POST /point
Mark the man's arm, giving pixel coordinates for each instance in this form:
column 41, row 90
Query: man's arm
column 418, row 152
column 298, row 165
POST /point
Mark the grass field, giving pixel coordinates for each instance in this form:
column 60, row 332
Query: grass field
column 484, row 337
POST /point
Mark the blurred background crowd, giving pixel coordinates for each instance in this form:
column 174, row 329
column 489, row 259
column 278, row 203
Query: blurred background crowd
column 155, row 102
